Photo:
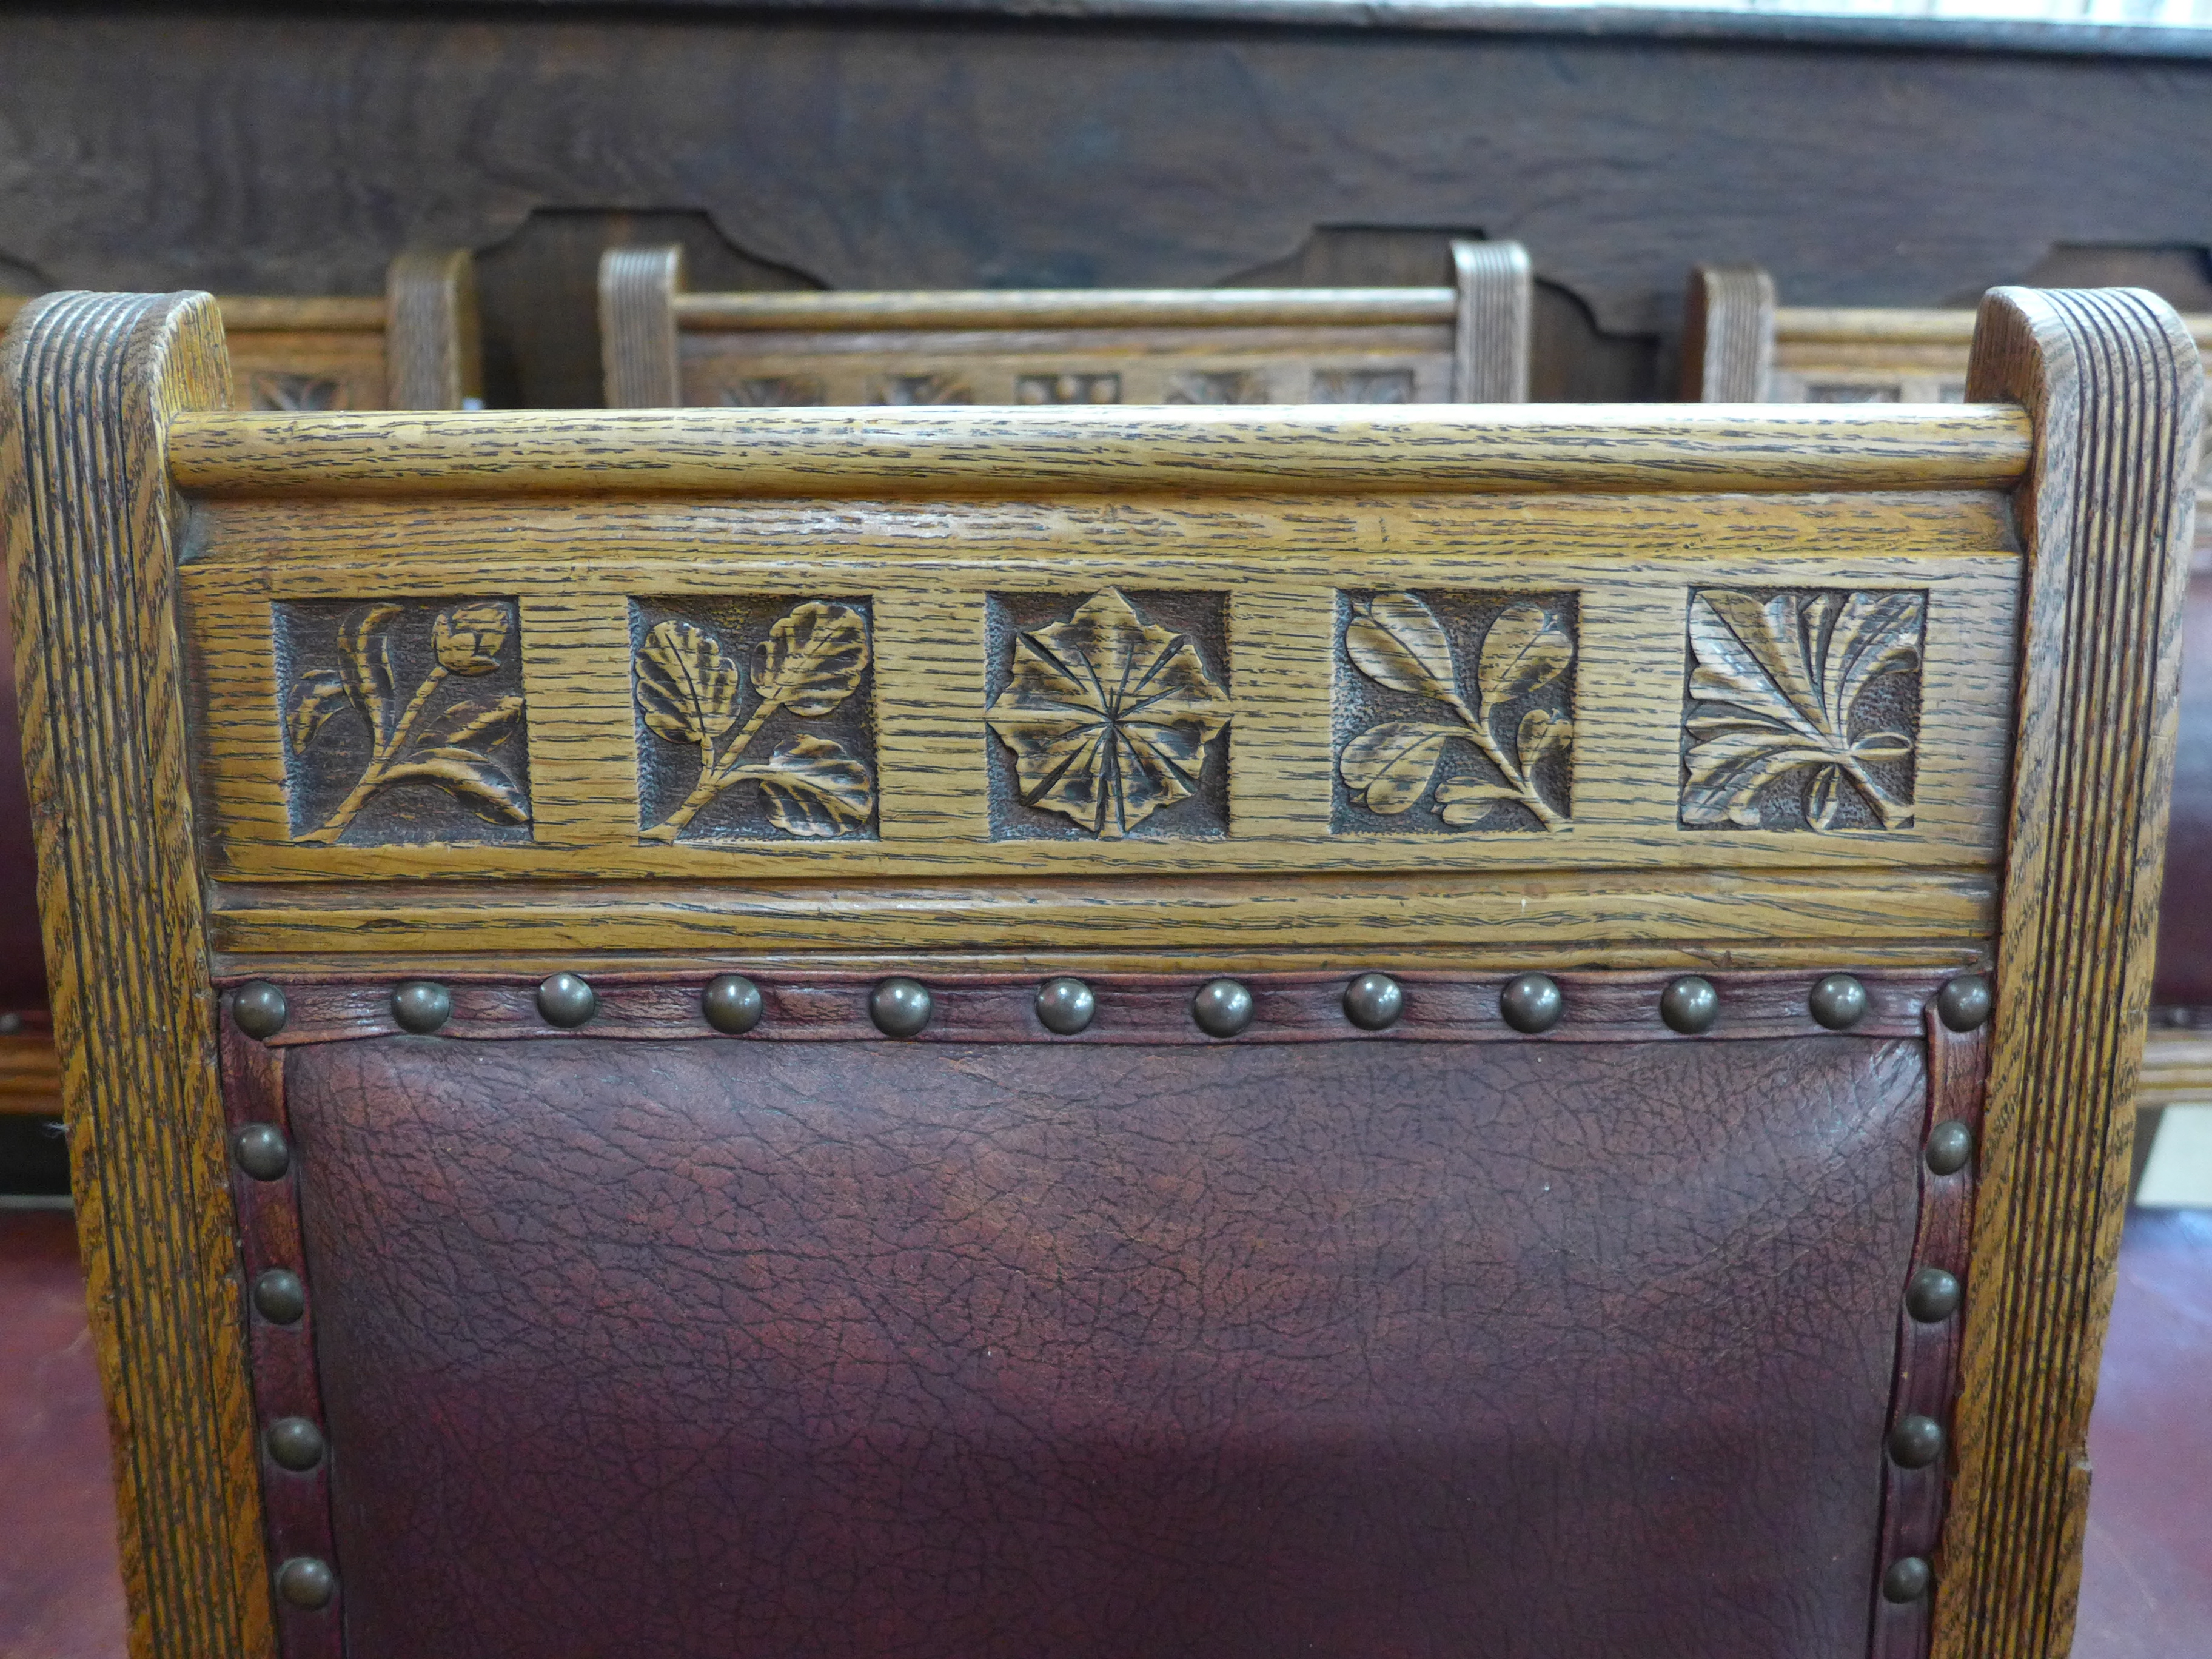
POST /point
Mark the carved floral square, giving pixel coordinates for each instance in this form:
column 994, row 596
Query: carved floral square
column 1803, row 709
column 1455, row 711
column 1109, row 714
column 755, row 718
column 403, row 721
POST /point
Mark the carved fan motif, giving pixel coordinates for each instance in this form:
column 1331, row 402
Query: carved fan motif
column 1108, row 716
column 1785, row 683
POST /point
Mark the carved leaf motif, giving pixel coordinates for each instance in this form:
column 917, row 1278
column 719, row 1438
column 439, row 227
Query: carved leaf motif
column 813, row 787
column 812, row 658
column 1541, row 733
column 687, row 691
column 481, row 785
column 1461, row 802
column 1524, row 651
column 1397, row 641
column 486, row 725
column 321, row 693
column 1389, row 766
column 1108, row 715
column 365, row 661
column 1786, row 675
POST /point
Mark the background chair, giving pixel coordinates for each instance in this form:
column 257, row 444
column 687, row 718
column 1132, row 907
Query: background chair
column 1469, row 342
column 1100, row 1030
column 416, row 347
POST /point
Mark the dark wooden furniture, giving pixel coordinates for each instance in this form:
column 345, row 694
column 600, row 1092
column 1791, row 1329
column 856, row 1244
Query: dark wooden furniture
column 666, row 347
column 1100, row 1030
column 281, row 148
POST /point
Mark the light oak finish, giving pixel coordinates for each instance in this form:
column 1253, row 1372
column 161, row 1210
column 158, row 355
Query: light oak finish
column 30, row 1075
column 1741, row 346
column 663, row 347
column 90, row 552
column 2177, row 1068
column 564, row 600
column 417, row 347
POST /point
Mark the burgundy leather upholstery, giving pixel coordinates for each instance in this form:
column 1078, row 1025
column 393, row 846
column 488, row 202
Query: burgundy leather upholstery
column 1347, row 1349
column 2183, row 978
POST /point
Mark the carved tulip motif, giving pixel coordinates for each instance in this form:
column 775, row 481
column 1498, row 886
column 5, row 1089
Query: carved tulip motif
column 689, row 692
column 1399, row 642
column 1108, row 716
column 450, row 748
column 1777, row 689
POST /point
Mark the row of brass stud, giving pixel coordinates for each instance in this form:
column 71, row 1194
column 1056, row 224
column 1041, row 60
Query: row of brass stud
column 901, row 1007
column 1931, row 1296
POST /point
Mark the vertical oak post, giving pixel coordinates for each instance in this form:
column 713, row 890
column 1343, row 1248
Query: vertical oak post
column 1728, row 335
column 91, row 522
column 2113, row 382
column 638, row 354
column 433, row 352
column 1497, row 322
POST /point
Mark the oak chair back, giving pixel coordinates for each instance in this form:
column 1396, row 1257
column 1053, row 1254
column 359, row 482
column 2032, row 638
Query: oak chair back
column 1100, row 1030
column 665, row 347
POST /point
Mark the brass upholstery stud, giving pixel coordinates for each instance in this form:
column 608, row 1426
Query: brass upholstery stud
column 1932, row 1295
column 1950, row 1147
column 1531, row 1003
column 731, row 1003
column 1066, row 1005
column 421, row 1005
column 1374, row 1001
column 262, row 1150
column 294, row 1443
column 279, row 1296
column 1838, row 1002
column 565, row 1000
column 900, row 1007
column 307, row 1582
column 1916, row 1441
column 1966, row 1002
column 1907, row 1580
column 259, row 1009
column 1690, row 1004
column 1222, row 1008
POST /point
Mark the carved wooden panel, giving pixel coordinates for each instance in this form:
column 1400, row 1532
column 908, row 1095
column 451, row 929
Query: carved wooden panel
column 1396, row 364
column 403, row 721
column 755, row 719
column 1455, row 711
column 1802, row 709
column 1106, row 713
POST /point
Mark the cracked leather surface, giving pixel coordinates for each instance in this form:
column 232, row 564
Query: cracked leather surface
column 946, row 1352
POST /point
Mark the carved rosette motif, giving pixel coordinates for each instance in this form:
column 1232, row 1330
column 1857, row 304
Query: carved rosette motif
column 697, row 696
column 1109, row 715
column 1503, row 758
column 415, row 732
column 1802, row 710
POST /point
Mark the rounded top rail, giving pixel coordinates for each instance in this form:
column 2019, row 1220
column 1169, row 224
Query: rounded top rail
column 1875, row 325
column 1035, row 308
column 985, row 451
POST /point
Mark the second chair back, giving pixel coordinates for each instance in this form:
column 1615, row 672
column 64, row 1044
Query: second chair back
column 1469, row 342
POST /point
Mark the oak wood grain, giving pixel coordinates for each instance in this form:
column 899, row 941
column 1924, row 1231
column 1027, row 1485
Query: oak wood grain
column 892, row 453
column 2113, row 381
column 91, row 382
